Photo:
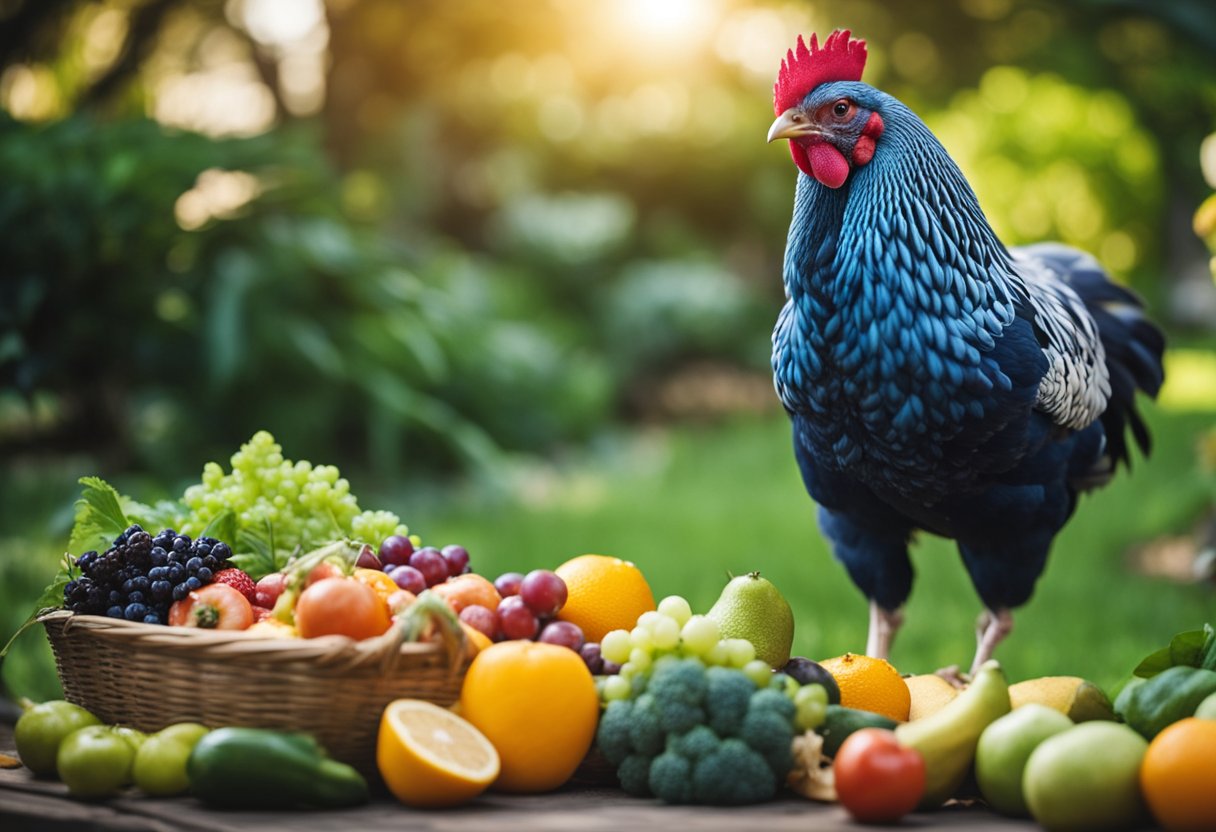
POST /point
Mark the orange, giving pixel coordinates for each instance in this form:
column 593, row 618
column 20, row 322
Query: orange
column 429, row 757
column 1178, row 775
column 380, row 582
column 467, row 590
column 870, row 684
column 604, row 594
column 343, row 607
column 537, row 704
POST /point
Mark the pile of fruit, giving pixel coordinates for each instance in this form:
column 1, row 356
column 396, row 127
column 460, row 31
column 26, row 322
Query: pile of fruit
column 685, row 707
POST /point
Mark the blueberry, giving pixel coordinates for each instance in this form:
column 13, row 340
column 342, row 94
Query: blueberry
column 128, row 586
column 180, row 591
column 134, row 612
column 158, row 556
column 177, row 573
column 193, row 583
column 181, row 543
column 221, row 551
column 135, row 597
column 114, row 612
column 194, row 564
column 201, row 548
column 158, row 573
column 205, row 575
column 152, row 618
column 161, row 590
column 115, row 597
column 210, row 562
column 141, row 582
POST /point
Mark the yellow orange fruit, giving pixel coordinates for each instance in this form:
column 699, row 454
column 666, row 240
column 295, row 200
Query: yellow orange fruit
column 1178, row 775
column 537, row 704
column 870, row 684
column 930, row 693
column 341, row 606
column 467, row 590
column 430, row 757
column 603, row 594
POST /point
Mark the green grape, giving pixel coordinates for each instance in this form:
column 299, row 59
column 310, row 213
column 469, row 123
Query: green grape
column 740, row 651
column 639, row 659
column 648, row 620
column 641, row 638
column 791, row 687
column 718, row 655
column 616, row 646
column 700, row 635
column 811, row 693
column 665, row 634
column 616, row 687
column 675, row 607
column 810, row 715
column 759, row 672
column 304, row 505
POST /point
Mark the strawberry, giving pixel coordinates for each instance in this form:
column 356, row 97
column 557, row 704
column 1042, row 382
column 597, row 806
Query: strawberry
column 239, row 581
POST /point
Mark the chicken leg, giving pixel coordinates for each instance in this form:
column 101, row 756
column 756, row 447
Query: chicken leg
column 884, row 624
column 990, row 630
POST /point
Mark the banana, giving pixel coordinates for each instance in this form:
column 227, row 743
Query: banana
column 1074, row 697
column 947, row 738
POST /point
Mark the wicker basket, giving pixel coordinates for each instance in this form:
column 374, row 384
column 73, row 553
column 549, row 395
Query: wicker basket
column 149, row 676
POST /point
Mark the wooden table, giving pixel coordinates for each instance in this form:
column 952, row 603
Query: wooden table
column 27, row 803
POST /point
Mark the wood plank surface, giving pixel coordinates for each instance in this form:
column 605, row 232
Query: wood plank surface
column 28, row 803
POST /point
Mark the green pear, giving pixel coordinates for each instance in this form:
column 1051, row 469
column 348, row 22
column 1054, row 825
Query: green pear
column 1087, row 778
column 750, row 607
column 160, row 763
column 1004, row 748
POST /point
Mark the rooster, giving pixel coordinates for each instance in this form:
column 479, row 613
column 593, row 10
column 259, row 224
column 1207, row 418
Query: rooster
column 935, row 379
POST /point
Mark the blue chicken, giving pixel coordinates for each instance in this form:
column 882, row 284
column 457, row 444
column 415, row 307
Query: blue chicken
column 935, row 379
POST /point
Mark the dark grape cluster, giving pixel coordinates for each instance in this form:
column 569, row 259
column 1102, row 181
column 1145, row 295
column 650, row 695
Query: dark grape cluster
column 140, row 576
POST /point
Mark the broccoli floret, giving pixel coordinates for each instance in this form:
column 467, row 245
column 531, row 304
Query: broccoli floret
column 727, row 696
column 678, row 688
column 634, row 774
column 700, row 742
column 645, row 732
column 733, row 775
column 671, row 778
column 612, row 736
column 771, row 735
column 771, row 700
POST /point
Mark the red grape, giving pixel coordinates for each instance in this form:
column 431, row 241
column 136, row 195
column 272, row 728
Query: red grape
column 543, row 591
column 515, row 620
column 268, row 589
column 592, row 658
column 408, row 578
column 396, row 550
column 457, row 558
column 482, row 619
column 368, row 560
column 507, row 583
column 431, row 564
column 564, row 633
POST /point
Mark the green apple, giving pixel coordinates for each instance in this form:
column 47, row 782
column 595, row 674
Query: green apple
column 160, row 763
column 95, row 761
column 1004, row 748
column 1207, row 708
column 41, row 730
column 1087, row 778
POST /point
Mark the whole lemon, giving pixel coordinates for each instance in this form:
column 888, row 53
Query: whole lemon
column 537, row 705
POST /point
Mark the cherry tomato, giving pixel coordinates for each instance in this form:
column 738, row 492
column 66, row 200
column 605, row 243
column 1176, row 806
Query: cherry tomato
column 877, row 779
column 341, row 606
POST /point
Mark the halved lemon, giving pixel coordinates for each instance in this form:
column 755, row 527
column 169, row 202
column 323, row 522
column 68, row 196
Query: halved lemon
column 429, row 757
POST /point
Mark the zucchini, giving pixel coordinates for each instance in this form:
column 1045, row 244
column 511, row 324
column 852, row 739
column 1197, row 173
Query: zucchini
column 842, row 721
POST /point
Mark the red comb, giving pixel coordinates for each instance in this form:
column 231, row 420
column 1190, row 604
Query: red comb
column 839, row 59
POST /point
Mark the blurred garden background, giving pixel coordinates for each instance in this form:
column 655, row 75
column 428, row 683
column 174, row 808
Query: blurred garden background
column 513, row 268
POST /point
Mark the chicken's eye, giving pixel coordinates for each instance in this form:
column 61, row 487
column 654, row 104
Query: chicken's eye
column 840, row 109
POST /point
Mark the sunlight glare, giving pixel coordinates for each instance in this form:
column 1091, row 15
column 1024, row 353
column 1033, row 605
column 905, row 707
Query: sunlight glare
column 667, row 19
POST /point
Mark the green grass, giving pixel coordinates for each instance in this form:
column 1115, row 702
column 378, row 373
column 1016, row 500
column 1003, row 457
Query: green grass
column 691, row 504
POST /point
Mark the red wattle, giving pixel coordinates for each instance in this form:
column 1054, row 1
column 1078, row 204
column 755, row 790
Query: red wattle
column 798, row 152
column 828, row 165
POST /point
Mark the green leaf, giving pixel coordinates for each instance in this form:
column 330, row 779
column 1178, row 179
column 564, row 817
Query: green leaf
column 1193, row 648
column 99, row 516
column 1186, row 648
column 1207, row 657
column 222, row 527
column 51, row 598
column 1153, row 663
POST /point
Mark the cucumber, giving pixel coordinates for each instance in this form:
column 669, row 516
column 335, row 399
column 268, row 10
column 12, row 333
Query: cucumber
column 842, row 721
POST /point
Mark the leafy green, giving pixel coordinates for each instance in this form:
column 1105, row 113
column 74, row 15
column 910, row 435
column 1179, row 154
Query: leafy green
column 1194, row 648
column 99, row 516
column 51, row 598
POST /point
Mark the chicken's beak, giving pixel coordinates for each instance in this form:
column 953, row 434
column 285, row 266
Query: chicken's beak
column 791, row 124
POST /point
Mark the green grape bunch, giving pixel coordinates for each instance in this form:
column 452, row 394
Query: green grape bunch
column 281, row 506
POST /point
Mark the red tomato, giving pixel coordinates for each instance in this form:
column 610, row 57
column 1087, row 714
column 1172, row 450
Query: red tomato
column 341, row 606
column 214, row 607
column 877, row 779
